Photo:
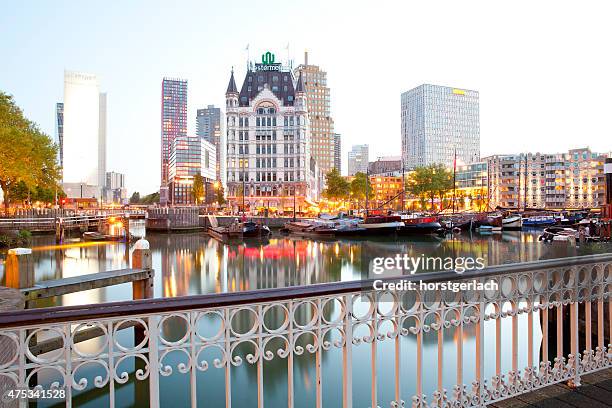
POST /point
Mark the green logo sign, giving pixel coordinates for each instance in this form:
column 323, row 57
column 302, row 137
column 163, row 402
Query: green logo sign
column 267, row 58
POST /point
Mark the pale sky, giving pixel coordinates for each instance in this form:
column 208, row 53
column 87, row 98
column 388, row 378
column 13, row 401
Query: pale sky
column 543, row 68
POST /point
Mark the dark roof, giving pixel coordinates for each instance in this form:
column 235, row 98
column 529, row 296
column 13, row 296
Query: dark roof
column 300, row 85
column 231, row 87
column 279, row 82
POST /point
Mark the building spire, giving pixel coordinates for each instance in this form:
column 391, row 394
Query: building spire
column 300, row 85
column 231, row 87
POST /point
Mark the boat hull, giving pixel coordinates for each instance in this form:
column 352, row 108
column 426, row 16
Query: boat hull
column 512, row 223
column 421, row 228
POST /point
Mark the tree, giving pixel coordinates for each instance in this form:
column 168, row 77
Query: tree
column 135, row 198
column 198, row 188
column 359, row 186
column 442, row 181
column 150, row 199
column 220, row 195
column 27, row 155
column 420, row 183
column 337, row 187
column 429, row 182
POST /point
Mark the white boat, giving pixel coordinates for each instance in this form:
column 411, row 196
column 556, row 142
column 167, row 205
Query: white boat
column 512, row 222
column 381, row 224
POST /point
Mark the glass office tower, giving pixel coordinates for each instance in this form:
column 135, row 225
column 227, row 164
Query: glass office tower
column 436, row 122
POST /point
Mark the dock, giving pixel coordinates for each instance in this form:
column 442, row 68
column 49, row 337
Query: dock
column 595, row 392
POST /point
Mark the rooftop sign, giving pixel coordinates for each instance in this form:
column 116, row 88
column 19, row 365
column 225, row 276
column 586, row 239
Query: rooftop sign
column 267, row 58
column 267, row 63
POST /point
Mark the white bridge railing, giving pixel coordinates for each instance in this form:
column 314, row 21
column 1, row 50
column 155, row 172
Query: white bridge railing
column 558, row 308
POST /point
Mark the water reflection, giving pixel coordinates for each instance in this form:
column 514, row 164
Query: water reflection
column 193, row 263
column 188, row 264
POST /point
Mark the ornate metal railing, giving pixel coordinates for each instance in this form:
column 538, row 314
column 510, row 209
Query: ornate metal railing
column 289, row 323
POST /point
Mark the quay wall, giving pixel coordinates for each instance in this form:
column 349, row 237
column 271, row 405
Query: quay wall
column 189, row 218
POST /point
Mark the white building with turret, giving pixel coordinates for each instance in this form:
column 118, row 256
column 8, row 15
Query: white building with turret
column 269, row 162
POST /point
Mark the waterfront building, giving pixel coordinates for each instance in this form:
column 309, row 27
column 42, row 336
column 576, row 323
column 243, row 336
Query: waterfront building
column 190, row 156
column 547, row 181
column 386, row 190
column 471, row 182
column 436, row 122
column 268, row 147
column 173, row 120
column 115, row 191
column 322, row 136
column 358, row 159
column 385, row 165
column 83, row 134
column 209, row 128
column 59, row 132
column 338, row 152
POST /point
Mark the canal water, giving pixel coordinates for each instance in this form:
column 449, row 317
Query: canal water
column 192, row 263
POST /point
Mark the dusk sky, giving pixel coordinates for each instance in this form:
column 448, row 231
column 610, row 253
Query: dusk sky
column 542, row 68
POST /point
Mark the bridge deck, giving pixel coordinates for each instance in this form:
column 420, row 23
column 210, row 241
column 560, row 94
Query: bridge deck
column 595, row 392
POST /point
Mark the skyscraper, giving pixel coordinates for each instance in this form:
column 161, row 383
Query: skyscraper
column 207, row 121
column 59, row 132
column 209, row 128
column 190, row 156
column 358, row 159
column 173, row 119
column 322, row 136
column 436, row 122
column 102, row 141
column 83, row 136
column 268, row 149
column 338, row 151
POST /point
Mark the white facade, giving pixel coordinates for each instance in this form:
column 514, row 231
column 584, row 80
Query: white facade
column 208, row 163
column 268, row 143
column 102, row 141
column 84, row 135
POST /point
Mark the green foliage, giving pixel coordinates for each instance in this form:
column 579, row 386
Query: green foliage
column 429, row 182
column 359, row 186
column 337, row 186
column 220, row 196
column 21, row 192
column 10, row 239
column 198, row 188
column 150, row 199
column 135, row 198
column 27, row 155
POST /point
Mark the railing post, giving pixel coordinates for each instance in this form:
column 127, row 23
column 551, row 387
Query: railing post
column 574, row 338
column 154, row 362
column 142, row 289
column 480, row 357
column 290, row 397
column 10, row 300
column 347, row 353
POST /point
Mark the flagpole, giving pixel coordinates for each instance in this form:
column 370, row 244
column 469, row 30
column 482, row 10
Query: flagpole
column 454, row 179
column 248, row 56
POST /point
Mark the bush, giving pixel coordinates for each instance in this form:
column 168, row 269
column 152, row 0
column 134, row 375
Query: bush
column 9, row 239
column 24, row 237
